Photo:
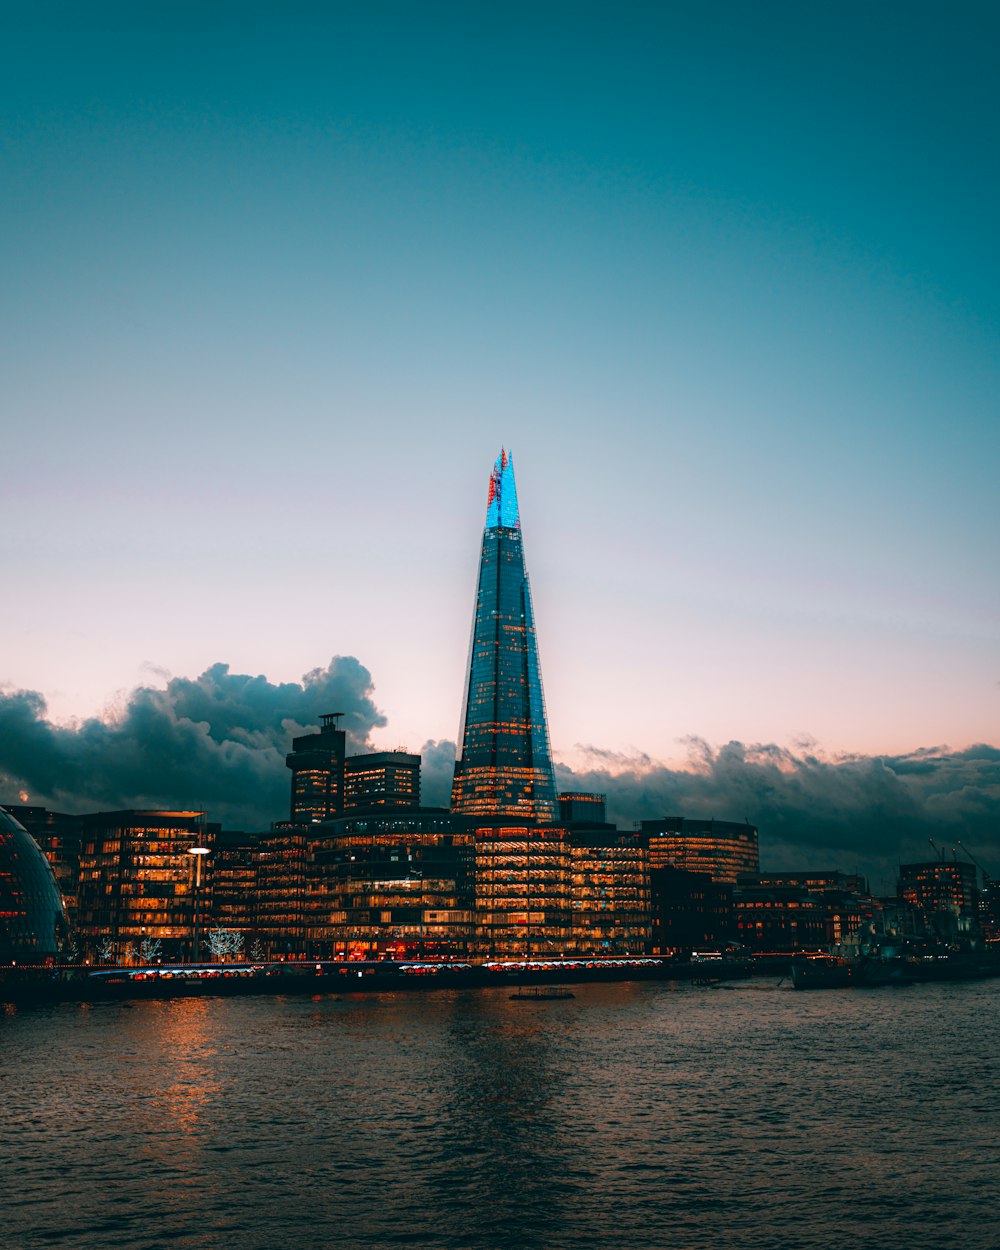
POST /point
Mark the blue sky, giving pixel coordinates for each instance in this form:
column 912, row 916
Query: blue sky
column 278, row 281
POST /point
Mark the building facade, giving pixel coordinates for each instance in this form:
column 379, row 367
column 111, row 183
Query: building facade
column 578, row 808
column 391, row 883
column 609, row 893
column 688, row 911
column 32, row 921
column 522, row 890
column 939, row 885
column 139, row 883
column 58, row 834
column 504, row 768
column 381, row 779
column 723, row 849
column 317, row 764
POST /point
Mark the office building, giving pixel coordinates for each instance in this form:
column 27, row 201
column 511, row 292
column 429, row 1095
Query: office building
column 609, row 892
column 721, row 848
column 139, row 883
column 522, row 890
column 317, row 764
column 689, row 911
column 940, row 885
column 393, row 883
column 578, row 808
column 504, row 769
column 234, row 881
column 389, row 779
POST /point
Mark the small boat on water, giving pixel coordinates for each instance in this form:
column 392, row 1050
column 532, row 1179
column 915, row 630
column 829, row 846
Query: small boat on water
column 541, row 993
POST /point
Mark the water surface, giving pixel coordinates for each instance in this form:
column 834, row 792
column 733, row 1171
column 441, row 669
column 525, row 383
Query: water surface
column 632, row 1115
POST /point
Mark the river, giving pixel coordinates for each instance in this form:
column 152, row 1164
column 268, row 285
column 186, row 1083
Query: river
column 642, row 1115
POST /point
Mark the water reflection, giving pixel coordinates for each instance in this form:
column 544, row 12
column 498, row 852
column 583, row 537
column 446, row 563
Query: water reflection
column 630, row 1115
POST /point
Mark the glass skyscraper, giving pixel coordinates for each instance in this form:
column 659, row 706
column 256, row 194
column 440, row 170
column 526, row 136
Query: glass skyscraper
column 503, row 768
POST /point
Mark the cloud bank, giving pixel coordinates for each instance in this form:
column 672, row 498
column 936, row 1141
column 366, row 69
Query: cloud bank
column 813, row 811
column 215, row 743
column 218, row 742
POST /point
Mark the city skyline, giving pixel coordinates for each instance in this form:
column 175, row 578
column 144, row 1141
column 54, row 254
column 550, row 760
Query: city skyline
column 724, row 279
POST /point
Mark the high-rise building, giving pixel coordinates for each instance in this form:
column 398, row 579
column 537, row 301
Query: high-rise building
column 317, row 764
column 503, row 769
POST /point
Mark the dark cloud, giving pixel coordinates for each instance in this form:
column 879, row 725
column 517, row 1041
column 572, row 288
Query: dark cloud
column 216, row 742
column 437, row 767
column 814, row 811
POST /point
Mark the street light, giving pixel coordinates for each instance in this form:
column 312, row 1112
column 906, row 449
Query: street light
column 197, row 852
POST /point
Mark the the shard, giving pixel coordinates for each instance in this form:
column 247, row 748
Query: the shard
column 503, row 769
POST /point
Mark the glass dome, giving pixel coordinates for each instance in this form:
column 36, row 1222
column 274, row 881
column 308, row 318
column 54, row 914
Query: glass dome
column 32, row 919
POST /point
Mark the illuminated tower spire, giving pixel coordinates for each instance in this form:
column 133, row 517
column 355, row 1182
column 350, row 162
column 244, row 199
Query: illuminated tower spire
column 503, row 767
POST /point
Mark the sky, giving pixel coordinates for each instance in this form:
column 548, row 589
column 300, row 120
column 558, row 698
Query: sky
column 278, row 282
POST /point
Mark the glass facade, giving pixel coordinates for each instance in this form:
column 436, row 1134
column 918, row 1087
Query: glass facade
column 523, row 904
column 504, row 768
column 31, row 910
column 722, row 849
column 397, row 884
column 139, row 884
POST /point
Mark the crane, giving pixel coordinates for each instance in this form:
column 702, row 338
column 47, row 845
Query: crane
column 965, row 849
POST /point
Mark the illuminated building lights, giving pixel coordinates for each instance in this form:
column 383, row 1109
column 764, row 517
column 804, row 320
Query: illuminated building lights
column 504, row 767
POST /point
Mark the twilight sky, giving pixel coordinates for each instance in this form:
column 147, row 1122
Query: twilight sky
column 278, row 282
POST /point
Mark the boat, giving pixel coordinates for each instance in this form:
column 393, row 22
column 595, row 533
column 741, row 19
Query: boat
column 896, row 962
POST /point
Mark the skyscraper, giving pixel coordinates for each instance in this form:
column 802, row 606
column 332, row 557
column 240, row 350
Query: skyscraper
column 504, row 768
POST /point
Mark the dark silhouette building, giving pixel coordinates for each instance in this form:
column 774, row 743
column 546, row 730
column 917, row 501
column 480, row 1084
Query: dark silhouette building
column 317, row 764
column 32, row 922
column 58, row 834
column 504, row 768
column 578, row 808
column 688, row 911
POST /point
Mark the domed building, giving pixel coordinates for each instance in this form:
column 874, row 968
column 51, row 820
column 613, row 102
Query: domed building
column 32, row 920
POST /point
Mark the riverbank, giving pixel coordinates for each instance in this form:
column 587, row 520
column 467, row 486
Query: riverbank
column 46, row 985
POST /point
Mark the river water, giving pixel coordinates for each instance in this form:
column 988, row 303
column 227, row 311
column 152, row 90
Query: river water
column 644, row 1115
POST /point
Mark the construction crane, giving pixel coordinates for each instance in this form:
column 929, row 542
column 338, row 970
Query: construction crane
column 986, row 876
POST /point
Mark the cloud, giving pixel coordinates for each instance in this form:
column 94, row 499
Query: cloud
column 812, row 810
column 216, row 742
column 437, row 767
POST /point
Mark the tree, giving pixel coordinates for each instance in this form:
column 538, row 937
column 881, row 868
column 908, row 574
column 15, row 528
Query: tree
column 150, row 949
column 106, row 950
column 223, row 943
column 257, row 950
